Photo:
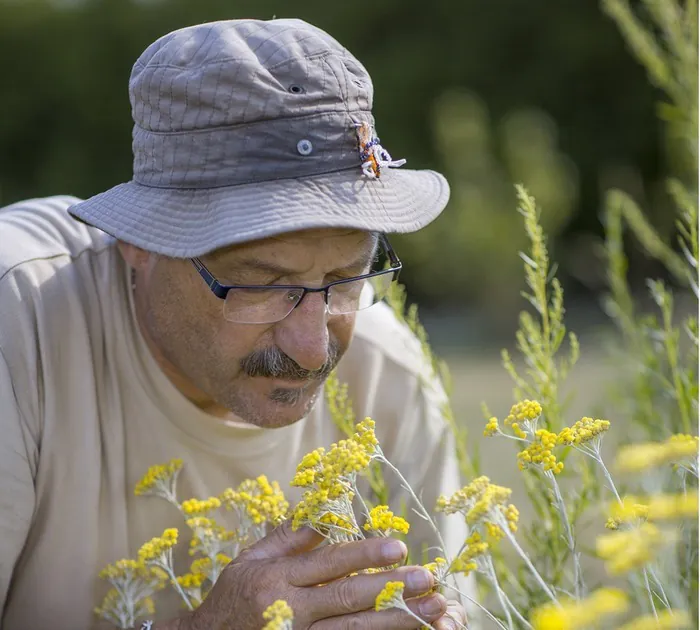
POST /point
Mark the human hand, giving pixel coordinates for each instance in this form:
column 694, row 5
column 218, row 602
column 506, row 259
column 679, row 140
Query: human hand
column 314, row 582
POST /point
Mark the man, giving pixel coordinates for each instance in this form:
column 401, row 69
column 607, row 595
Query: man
column 195, row 312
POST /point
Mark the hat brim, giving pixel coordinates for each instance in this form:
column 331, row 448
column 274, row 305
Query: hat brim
column 193, row 222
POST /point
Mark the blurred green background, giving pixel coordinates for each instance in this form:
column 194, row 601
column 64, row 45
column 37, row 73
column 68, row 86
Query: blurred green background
column 538, row 92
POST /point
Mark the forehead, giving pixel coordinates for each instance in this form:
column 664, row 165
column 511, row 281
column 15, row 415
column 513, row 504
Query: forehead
column 338, row 243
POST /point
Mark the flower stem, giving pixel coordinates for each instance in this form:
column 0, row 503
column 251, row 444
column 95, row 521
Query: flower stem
column 651, row 596
column 579, row 587
column 519, row 550
column 476, row 603
column 491, row 573
column 421, row 509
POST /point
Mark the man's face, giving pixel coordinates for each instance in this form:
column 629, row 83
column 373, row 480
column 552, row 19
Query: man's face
column 267, row 374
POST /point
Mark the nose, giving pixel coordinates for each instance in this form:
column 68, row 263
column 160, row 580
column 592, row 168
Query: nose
column 303, row 334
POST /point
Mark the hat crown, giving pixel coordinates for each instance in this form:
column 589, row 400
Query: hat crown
column 237, row 72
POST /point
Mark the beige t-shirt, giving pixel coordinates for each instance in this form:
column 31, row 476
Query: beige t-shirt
column 85, row 410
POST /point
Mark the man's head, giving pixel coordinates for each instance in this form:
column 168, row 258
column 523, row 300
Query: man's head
column 254, row 141
column 267, row 373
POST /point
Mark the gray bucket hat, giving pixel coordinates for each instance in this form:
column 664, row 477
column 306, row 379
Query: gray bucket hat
column 244, row 129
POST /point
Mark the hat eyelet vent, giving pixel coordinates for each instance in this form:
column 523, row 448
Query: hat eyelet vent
column 304, row 147
column 296, row 89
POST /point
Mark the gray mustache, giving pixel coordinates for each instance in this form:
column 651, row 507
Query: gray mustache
column 273, row 363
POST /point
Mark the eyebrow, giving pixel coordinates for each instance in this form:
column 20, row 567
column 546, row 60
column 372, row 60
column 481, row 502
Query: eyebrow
column 257, row 264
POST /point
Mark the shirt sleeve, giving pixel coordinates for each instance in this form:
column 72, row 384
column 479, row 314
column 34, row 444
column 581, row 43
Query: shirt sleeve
column 18, row 451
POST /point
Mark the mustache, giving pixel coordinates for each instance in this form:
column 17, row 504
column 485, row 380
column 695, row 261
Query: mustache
column 273, row 363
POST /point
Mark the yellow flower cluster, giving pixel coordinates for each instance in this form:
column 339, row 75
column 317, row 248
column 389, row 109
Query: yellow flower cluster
column 132, row 569
column 491, row 427
column 466, row 561
column 632, row 512
column 383, row 522
column 390, row 596
column 524, row 411
column 191, row 580
column 156, row 547
column 260, row 500
column 575, row 614
column 478, row 501
column 207, row 533
column 279, row 616
column 629, row 549
column 437, row 567
column 195, row 507
column 113, row 602
column 584, row 430
column 539, row 453
column 158, row 475
column 667, row 620
column 657, row 507
column 645, row 455
column 328, row 477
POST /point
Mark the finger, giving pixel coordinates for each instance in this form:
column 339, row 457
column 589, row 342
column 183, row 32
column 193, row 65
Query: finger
column 393, row 619
column 454, row 619
column 283, row 541
column 336, row 561
column 359, row 592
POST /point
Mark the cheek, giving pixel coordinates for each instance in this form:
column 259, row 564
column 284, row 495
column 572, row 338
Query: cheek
column 341, row 328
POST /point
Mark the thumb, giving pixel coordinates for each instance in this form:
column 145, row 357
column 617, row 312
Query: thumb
column 283, row 541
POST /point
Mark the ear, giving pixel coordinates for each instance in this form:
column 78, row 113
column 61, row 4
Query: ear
column 135, row 257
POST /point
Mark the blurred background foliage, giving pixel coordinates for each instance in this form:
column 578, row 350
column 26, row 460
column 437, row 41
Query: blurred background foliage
column 536, row 92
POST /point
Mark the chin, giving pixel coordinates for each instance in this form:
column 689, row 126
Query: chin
column 278, row 407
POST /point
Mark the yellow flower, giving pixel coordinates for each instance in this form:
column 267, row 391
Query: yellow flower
column 629, row 549
column 158, row 477
column 383, row 522
column 391, row 596
column 491, row 427
column 258, row 500
column 156, row 547
column 524, row 411
column 645, row 455
column 128, row 569
column 481, row 502
column 583, row 431
column 191, row 580
column 575, row 614
column 539, row 453
column 279, row 616
column 437, row 567
column 657, row 507
column 196, row 507
column 668, row 620
column 466, row 561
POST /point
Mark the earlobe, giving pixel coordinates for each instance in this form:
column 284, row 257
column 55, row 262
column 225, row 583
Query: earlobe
column 135, row 257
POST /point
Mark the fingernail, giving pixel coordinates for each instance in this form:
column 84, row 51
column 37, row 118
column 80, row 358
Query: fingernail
column 393, row 550
column 418, row 581
column 430, row 607
column 447, row 623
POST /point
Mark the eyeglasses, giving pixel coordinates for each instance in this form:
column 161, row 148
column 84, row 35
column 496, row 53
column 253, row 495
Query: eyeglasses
column 267, row 304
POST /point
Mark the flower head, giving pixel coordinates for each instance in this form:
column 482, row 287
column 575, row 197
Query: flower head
column 643, row 456
column 466, row 562
column 657, row 507
column 154, row 549
column 491, row 427
column 583, row 431
column 539, row 453
column 625, row 550
column 160, row 479
column 257, row 501
column 391, row 596
column 482, row 503
column 279, row 616
column 666, row 620
column 383, row 522
column 572, row 615
column 195, row 507
column 438, row 568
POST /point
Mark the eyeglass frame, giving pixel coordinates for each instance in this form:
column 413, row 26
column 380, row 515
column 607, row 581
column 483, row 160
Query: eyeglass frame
column 222, row 290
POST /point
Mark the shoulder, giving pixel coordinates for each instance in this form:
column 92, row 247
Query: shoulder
column 41, row 229
column 379, row 331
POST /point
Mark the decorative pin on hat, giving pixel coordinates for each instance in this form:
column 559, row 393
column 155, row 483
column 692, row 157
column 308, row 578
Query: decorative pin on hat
column 372, row 154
